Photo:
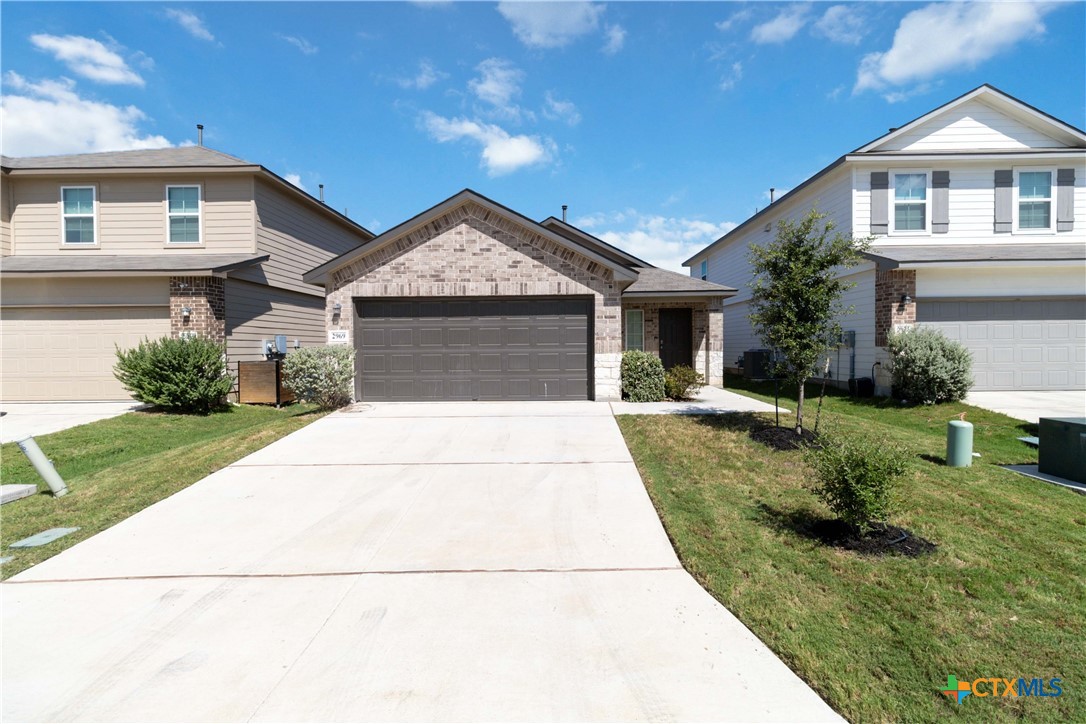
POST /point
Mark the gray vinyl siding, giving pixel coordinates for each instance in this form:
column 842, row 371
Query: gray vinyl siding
column 297, row 237
column 256, row 312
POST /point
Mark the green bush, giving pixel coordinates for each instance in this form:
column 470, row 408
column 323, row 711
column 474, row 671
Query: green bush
column 928, row 367
column 642, row 377
column 681, row 381
column 177, row 375
column 856, row 476
column 321, row 375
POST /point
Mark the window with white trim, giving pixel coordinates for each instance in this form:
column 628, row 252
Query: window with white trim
column 1035, row 199
column 183, row 214
column 705, row 270
column 635, row 329
column 910, row 202
column 77, row 215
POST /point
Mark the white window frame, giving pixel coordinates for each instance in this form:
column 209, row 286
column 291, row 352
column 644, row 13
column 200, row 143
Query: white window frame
column 891, row 228
column 626, row 329
column 199, row 215
column 704, row 269
column 1015, row 211
column 64, row 217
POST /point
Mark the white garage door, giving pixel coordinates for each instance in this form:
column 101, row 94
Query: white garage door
column 68, row 354
column 1038, row 344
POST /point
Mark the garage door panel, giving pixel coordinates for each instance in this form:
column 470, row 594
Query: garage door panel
column 69, row 354
column 1016, row 344
column 477, row 349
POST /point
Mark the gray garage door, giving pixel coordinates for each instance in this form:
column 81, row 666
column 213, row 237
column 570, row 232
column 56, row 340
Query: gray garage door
column 473, row 349
column 1017, row 345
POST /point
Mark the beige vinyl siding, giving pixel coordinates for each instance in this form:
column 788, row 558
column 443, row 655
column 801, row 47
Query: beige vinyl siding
column 256, row 312
column 5, row 216
column 69, row 291
column 132, row 214
column 298, row 238
column 972, row 125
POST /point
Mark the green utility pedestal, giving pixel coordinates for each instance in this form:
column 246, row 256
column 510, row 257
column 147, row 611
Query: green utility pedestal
column 959, row 444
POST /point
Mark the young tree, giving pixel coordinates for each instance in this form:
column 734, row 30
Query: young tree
column 796, row 294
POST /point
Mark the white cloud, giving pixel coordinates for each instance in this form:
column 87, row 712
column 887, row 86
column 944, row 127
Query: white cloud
column 88, row 57
column 783, row 27
column 36, row 120
column 733, row 76
column 942, row 37
column 616, row 38
column 191, row 22
column 551, row 24
column 502, row 153
column 842, row 24
column 740, row 16
column 498, row 86
column 557, row 109
column 665, row 241
column 296, row 180
column 300, row 43
column 426, row 76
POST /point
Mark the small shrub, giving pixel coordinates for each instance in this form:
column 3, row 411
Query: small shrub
column 681, row 382
column 928, row 367
column 642, row 377
column 856, row 476
column 321, row 375
column 176, row 375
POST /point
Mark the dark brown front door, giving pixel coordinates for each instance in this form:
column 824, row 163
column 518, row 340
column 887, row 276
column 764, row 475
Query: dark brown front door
column 676, row 338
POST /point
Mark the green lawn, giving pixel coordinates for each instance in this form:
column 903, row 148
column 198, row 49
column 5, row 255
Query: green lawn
column 117, row 467
column 1003, row 596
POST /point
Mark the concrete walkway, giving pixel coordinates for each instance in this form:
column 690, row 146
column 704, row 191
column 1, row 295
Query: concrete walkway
column 708, row 401
column 1031, row 406
column 41, row 418
column 453, row 562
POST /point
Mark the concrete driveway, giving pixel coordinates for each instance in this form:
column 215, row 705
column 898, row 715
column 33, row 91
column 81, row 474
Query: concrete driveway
column 20, row 419
column 1031, row 406
column 453, row 562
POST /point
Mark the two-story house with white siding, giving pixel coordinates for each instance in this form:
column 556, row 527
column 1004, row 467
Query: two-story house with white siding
column 102, row 250
column 977, row 215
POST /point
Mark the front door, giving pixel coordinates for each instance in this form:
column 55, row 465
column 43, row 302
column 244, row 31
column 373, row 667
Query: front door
column 676, row 338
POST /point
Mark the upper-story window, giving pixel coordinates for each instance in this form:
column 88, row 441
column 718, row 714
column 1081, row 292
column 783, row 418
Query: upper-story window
column 77, row 212
column 910, row 201
column 183, row 214
column 705, row 270
column 1035, row 200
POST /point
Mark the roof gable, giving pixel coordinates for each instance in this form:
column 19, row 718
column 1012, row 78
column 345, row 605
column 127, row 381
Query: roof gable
column 320, row 274
column 984, row 119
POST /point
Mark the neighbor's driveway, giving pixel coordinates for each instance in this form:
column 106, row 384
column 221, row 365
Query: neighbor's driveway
column 448, row 562
column 1031, row 406
column 20, row 419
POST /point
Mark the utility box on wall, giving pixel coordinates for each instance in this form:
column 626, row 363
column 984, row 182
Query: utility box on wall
column 261, row 383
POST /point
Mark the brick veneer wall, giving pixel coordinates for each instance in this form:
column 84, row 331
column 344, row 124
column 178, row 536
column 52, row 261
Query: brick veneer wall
column 206, row 297
column 890, row 287
column 707, row 332
column 473, row 252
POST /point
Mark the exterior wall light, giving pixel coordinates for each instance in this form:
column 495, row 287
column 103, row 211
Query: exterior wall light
column 186, row 312
column 906, row 299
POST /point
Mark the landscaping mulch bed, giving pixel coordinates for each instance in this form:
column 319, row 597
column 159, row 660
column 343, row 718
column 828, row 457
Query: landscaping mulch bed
column 784, row 438
column 881, row 540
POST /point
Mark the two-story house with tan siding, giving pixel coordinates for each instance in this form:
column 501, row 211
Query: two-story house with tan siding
column 102, row 250
column 977, row 211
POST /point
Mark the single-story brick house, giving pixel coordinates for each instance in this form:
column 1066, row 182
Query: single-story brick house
column 470, row 300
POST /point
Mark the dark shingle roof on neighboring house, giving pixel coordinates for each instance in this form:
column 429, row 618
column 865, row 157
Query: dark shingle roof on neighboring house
column 653, row 282
column 182, row 156
column 891, row 257
column 174, row 263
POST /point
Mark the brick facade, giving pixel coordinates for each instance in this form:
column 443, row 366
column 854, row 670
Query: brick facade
column 473, row 252
column 205, row 298
column 707, row 332
column 890, row 289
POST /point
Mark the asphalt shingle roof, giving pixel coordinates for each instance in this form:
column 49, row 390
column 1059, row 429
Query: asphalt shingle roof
column 128, row 263
column 977, row 252
column 150, row 158
column 651, row 280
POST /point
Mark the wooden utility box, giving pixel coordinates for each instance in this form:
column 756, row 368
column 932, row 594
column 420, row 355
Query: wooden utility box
column 261, row 383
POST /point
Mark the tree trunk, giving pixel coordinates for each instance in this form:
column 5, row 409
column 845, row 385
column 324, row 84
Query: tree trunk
column 799, row 407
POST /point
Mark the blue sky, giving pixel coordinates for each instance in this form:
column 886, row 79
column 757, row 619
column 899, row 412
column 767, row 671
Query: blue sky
column 662, row 125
